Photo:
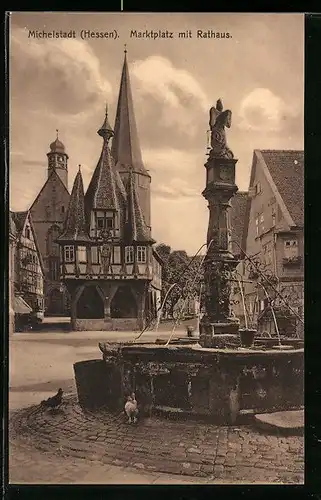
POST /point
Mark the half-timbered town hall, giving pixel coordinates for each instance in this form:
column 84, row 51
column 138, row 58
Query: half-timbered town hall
column 108, row 263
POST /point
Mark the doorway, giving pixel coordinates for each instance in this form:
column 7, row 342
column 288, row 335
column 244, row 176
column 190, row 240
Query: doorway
column 123, row 304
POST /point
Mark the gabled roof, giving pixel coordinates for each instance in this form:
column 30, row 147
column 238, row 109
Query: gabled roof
column 287, row 171
column 12, row 225
column 136, row 229
column 126, row 148
column 158, row 257
column 284, row 170
column 20, row 219
column 103, row 187
column 53, row 173
column 237, row 220
column 75, row 223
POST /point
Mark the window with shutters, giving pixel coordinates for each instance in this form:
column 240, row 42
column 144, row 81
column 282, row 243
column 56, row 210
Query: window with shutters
column 291, row 249
column 116, row 258
column 95, row 255
column 82, row 254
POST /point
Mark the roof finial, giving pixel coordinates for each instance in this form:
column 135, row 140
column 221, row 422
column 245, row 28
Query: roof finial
column 106, row 109
column 57, row 132
column 125, row 48
column 79, row 167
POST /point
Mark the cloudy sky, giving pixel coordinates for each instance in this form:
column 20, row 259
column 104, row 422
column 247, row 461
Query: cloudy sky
column 64, row 84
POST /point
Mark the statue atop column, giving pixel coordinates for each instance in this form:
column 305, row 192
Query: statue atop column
column 220, row 263
column 219, row 119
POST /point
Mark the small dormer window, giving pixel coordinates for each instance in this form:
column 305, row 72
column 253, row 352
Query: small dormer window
column 273, row 216
column 258, row 188
column 27, row 232
column 105, row 220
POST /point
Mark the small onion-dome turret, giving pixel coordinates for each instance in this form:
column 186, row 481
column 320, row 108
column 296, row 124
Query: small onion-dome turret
column 57, row 146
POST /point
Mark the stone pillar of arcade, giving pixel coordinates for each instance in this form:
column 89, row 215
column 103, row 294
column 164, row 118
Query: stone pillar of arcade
column 219, row 263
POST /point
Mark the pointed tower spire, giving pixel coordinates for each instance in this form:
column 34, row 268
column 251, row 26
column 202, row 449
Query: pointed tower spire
column 105, row 130
column 102, row 189
column 75, row 223
column 136, row 229
column 125, row 148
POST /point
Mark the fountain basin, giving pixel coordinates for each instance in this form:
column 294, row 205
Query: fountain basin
column 222, row 383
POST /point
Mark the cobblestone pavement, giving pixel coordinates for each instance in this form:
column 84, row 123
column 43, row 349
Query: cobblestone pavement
column 74, row 446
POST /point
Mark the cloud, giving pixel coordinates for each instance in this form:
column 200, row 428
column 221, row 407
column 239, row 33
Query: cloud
column 35, row 163
column 170, row 160
column 177, row 91
column 261, row 110
column 176, row 189
column 60, row 76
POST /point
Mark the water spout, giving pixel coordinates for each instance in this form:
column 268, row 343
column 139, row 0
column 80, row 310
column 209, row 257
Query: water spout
column 273, row 314
column 243, row 304
column 193, row 283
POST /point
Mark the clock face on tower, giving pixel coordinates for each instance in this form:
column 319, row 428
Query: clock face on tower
column 60, row 159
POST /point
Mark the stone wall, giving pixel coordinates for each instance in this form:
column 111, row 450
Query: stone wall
column 111, row 324
column 216, row 382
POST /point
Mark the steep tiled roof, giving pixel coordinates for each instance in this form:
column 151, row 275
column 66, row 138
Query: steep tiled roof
column 61, row 186
column 136, row 229
column 237, row 220
column 287, row 171
column 125, row 148
column 103, row 187
column 75, row 223
column 12, row 225
column 19, row 219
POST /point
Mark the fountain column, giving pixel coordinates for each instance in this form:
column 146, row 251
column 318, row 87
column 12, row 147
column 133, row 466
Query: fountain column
column 219, row 262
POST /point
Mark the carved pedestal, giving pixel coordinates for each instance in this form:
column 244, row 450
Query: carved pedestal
column 220, row 262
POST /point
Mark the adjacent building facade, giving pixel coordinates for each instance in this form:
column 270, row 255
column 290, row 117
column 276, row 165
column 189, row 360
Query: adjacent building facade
column 28, row 266
column 11, row 271
column 273, row 237
column 108, row 263
column 48, row 213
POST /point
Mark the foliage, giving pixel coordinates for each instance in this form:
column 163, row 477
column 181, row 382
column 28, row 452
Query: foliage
column 285, row 298
column 181, row 269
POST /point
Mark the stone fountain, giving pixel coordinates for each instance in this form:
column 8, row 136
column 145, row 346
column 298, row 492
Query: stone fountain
column 215, row 376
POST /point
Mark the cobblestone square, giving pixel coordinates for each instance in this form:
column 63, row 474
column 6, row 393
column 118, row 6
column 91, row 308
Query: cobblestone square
column 76, row 447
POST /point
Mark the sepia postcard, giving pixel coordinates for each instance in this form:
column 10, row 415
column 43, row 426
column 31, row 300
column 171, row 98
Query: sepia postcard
column 156, row 248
